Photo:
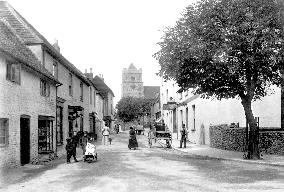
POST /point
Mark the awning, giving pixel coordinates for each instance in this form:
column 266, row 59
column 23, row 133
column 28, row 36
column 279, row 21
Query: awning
column 76, row 108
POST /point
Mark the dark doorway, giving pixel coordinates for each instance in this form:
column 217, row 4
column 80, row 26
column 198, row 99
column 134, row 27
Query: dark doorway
column 25, row 139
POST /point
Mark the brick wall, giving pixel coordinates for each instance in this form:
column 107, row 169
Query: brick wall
column 223, row 137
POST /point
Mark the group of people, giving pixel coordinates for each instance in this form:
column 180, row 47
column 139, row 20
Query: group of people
column 72, row 143
column 84, row 139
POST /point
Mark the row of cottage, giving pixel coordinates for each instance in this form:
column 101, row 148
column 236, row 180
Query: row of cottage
column 44, row 99
column 203, row 117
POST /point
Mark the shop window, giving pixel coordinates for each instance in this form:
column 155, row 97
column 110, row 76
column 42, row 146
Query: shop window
column 4, row 132
column 44, row 88
column 45, row 135
column 14, row 72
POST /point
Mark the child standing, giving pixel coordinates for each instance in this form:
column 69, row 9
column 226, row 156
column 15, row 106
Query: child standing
column 71, row 150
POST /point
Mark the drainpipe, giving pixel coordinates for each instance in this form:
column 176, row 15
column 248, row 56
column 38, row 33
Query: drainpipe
column 56, row 120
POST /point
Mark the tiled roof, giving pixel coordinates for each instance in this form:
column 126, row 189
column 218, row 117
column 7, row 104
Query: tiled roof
column 101, row 86
column 13, row 46
column 14, row 19
column 150, row 92
column 30, row 35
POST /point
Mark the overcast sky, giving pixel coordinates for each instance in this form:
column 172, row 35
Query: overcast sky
column 106, row 35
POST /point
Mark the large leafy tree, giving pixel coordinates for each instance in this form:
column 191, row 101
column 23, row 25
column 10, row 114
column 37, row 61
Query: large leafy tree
column 227, row 49
column 132, row 108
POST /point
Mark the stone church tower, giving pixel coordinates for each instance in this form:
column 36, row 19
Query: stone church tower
column 132, row 84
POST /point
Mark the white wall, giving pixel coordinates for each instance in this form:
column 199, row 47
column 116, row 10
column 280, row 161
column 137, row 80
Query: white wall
column 212, row 111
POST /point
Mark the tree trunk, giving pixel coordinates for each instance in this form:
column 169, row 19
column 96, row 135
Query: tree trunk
column 253, row 140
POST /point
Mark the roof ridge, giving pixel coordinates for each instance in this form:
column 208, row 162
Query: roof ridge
column 13, row 46
column 22, row 20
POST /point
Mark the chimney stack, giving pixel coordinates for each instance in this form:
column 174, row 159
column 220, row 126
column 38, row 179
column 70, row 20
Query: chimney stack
column 90, row 74
column 56, row 46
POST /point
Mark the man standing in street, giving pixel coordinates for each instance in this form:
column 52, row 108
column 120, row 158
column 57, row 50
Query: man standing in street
column 183, row 132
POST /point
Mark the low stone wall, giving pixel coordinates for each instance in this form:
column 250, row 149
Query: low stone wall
column 224, row 137
column 272, row 142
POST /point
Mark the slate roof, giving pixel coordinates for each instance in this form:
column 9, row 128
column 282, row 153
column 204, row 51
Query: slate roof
column 150, row 92
column 101, row 86
column 11, row 45
column 30, row 35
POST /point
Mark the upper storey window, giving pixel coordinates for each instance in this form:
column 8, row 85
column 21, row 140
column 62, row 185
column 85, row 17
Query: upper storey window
column 14, row 72
column 70, row 84
column 132, row 78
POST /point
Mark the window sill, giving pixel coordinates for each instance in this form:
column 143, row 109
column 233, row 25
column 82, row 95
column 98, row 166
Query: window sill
column 3, row 146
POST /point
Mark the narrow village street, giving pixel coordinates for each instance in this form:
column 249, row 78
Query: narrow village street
column 148, row 169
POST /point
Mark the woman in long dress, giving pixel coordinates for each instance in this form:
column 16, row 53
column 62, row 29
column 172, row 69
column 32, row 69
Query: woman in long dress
column 132, row 139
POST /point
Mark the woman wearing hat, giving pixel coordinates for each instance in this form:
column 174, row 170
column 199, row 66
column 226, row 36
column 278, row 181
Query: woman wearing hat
column 132, row 139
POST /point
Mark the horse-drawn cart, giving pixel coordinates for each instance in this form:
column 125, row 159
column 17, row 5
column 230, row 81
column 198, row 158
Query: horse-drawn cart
column 160, row 132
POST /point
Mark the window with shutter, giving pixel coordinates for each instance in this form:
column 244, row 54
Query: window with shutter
column 13, row 72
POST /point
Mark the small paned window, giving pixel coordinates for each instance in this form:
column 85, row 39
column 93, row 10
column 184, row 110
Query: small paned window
column 94, row 98
column 44, row 88
column 81, row 91
column 14, row 72
column 70, row 84
column 55, row 70
column 45, row 136
column 4, row 132
column 91, row 98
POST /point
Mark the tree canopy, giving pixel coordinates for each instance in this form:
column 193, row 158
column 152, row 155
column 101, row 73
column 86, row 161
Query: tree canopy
column 132, row 108
column 226, row 49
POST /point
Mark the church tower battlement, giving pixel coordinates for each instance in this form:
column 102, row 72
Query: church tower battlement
column 132, row 84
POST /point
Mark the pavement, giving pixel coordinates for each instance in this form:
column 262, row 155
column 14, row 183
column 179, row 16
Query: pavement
column 214, row 153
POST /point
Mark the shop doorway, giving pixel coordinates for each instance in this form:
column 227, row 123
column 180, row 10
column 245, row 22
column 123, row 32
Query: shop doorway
column 25, row 139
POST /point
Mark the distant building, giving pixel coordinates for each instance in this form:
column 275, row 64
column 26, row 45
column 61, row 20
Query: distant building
column 132, row 84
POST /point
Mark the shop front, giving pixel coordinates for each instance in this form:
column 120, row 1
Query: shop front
column 76, row 120
column 45, row 134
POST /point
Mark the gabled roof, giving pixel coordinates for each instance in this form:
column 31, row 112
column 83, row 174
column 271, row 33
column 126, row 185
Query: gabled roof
column 150, row 92
column 16, row 21
column 30, row 36
column 101, row 86
column 11, row 45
